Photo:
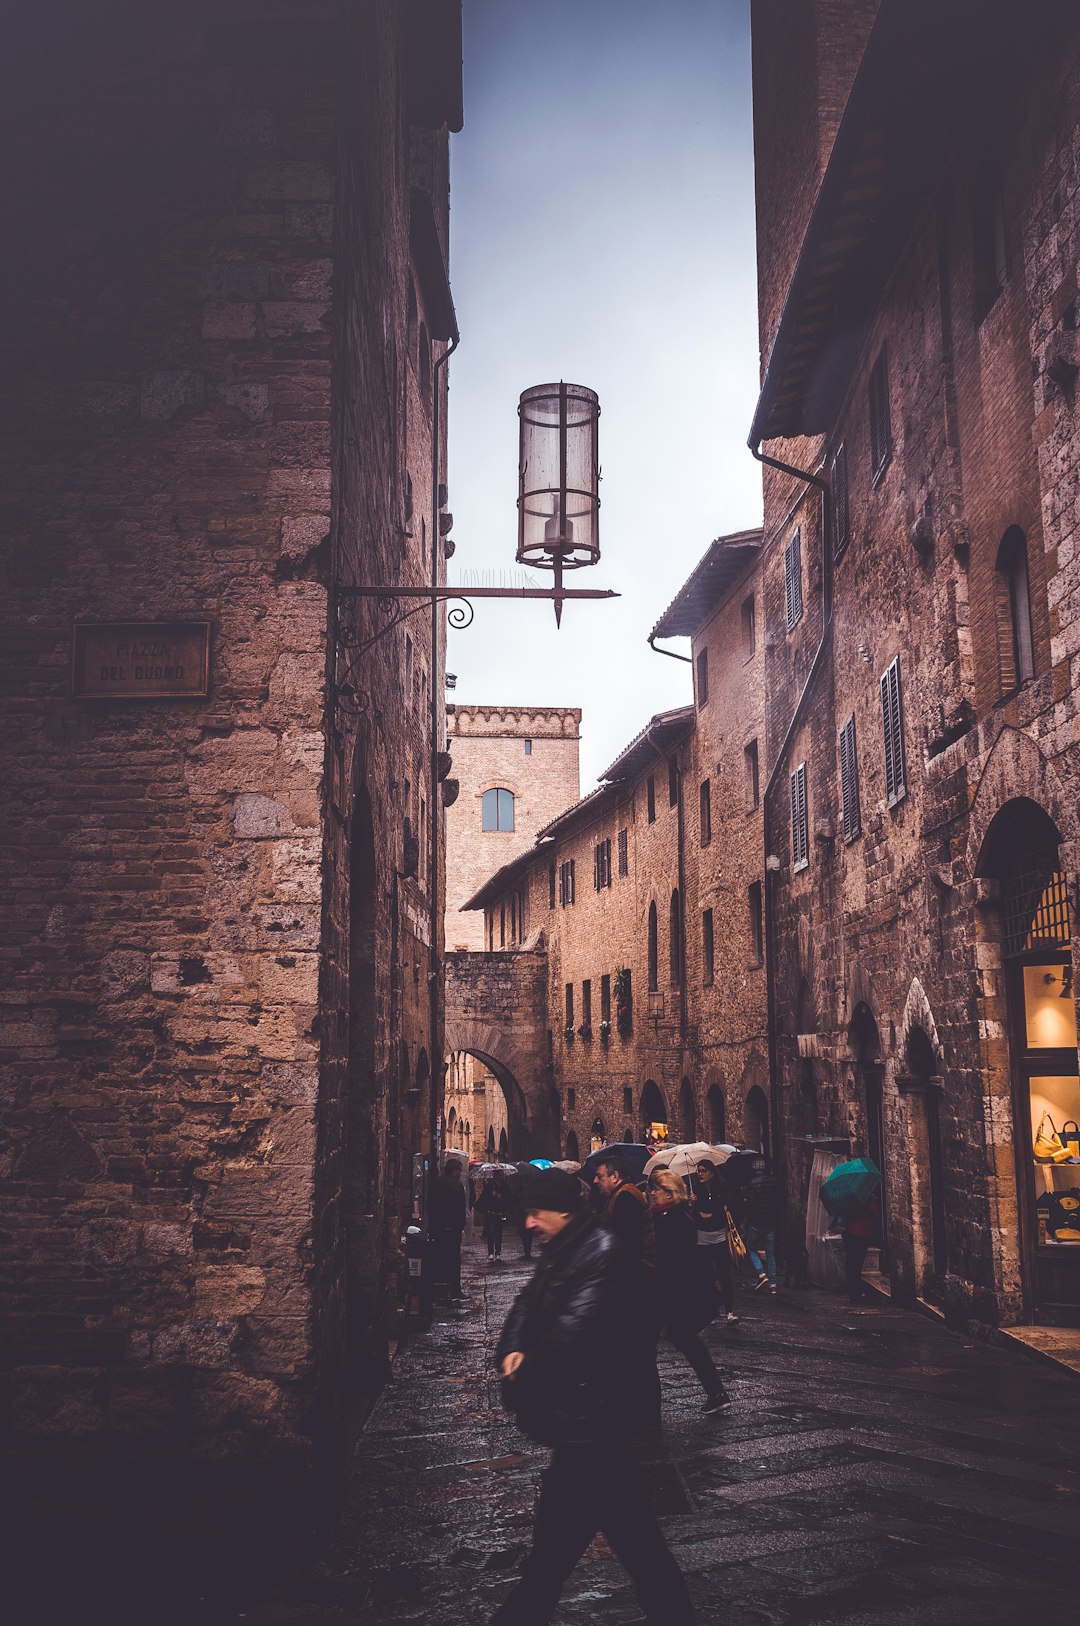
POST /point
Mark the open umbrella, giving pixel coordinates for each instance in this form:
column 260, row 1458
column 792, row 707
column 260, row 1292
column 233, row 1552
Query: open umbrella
column 567, row 1165
column 631, row 1153
column 539, row 1163
column 488, row 1169
column 684, row 1157
column 850, row 1185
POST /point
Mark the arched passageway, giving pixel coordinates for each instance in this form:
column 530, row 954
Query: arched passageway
column 652, row 1108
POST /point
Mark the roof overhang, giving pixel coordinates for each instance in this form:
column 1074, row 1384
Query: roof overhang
column 660, row 734
column 928, row 67
column 708, row 584
column 499, row 883
column 432, row 51
column 427, row 253
column 588, row 808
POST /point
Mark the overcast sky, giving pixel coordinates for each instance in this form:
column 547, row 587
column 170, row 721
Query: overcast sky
column 602, row 231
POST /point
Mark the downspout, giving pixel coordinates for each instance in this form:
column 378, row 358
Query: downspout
column 435, row 880
column 670, row 653
column 774, row 771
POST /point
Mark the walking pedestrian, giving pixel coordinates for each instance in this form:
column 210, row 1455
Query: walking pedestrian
column 625, row 1211
column 493, row 1205
column 685, row 1284
column 571, row 1381
column 764, row 1207
column 709, row 1209
column 860, row 1226
column 519, row 1220
column 446, row 1222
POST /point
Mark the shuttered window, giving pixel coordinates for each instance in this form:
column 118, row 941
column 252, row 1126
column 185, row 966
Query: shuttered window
column 849, row 781
column 800, row 825
column 793, row 605
column 566, row 883
column 705, row 812
column 602, row 864
column 880, row 422
column 624, row 856
column 841, row 514
column 892, row 717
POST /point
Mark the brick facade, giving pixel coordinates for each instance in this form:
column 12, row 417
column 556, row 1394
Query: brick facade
column 218, row 398
column 890, row 1022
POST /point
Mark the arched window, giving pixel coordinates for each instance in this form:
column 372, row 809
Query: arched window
column 497, row 810
column 572, row 1153
column 652, row 949
column 597, row 1137
column 1012, row 602
column 687, row 1111
column 717, row 1115
column 674, row 957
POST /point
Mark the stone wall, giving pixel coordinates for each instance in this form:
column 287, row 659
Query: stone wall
column 215, row 932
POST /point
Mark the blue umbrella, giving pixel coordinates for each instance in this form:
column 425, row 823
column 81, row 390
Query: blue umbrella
column 850, row 1185
column 540, row 1163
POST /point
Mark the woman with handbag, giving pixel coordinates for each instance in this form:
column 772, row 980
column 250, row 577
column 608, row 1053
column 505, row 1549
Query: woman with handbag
column 710, row 1213
column 685, row 1288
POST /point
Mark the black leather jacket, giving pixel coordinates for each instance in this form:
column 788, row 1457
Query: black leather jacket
column 579, row 1325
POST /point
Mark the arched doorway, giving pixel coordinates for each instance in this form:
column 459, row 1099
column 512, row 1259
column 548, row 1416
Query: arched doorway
column 1021, row 851
column 628, row 1136
column 491, row 1144
column 923, row 1084
column 716, row 1108
column 572, row 1153
column 756, row 1120
column 865, row 1045
column 653, row 1111
column 597, row 1138
column 687, row 1112
column 503, row 1148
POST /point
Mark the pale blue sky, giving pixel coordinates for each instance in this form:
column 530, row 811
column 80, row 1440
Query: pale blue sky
column 602, row 231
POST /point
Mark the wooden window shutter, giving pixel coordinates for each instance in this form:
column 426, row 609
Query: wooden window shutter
column 849, row 781
column 800, row 833
column 841, row 516
column 892, row 716
column 793, row 604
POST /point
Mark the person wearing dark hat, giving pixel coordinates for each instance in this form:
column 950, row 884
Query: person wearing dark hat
column 571, row 1377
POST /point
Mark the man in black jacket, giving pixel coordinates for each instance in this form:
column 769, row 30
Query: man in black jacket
column 572, row 1379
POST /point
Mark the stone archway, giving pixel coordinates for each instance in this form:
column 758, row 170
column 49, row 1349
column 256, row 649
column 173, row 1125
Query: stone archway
column 496, row 1011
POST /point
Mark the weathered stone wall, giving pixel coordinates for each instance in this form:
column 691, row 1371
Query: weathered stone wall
column 884, row 935
column 213, row 935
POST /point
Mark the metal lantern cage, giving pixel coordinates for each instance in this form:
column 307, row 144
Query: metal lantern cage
column 558, row 478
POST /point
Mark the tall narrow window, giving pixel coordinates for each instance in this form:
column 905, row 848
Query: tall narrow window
column 841, row 512
column 605, row 999
column 749, row 627
column 753, row 910
column 551, row 886
column 624, row 854
column 566, row 883
column 703, row 677
column 673, row 782
column 750, row 771
column 880, row 419
column 653, row 950
column 1012, row 604
column 674, row 941
column 569, row 994
column 706, row 947
column 705, row 811
column 793, row 603
column 650, row 798
column 513, row 917
column 528, row 748
column 800, row 820
column 892, row 719
column 586, row 1004
column 497, row 810
column 849, row 781
column 602, row 864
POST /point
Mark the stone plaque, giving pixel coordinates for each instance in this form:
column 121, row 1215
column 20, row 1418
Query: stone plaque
column 140, row 660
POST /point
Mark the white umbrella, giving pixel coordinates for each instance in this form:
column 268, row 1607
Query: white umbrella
column 684, row 1159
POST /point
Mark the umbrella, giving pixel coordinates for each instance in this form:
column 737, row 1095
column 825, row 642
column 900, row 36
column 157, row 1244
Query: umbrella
column 633, row 1154
column 540, row 1163
column 488, row 1169
column 684, row 1158
column 567, row 1165
column 850, row 1185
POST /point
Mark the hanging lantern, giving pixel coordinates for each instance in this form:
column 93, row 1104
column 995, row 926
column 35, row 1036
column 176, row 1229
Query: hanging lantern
column 558, row 479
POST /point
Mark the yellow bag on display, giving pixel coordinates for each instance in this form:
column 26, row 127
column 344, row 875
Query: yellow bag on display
column 1048, row 1146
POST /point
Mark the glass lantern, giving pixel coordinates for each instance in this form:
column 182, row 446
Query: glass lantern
column 558, row 478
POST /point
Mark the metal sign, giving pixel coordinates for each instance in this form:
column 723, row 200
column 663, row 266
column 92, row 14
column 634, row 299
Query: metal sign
column 140, row 660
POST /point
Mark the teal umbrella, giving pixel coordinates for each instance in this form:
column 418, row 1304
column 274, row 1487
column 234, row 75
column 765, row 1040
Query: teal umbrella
column 540, row 1163
column 850, row 1185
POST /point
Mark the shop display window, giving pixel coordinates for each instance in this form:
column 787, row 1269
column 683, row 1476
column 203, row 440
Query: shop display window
column 1054, row 1097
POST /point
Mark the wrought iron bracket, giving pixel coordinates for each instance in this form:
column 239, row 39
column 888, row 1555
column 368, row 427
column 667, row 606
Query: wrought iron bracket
column 461, row 615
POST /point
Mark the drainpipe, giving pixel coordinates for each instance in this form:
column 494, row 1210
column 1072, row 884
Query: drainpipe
column 435, row 879
column 769, row 888
column 670, row 653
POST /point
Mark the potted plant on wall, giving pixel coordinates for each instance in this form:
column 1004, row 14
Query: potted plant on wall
column 624, row 1003
column 605, row 1032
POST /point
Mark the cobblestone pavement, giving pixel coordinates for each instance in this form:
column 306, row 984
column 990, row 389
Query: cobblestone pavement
column 875, row 1468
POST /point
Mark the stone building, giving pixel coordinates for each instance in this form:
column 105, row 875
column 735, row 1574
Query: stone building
column 918, row 285
column 226, row 323
column 641, row 907
column 517, row 768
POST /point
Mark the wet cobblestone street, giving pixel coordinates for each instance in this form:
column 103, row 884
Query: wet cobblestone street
column 874, row 1468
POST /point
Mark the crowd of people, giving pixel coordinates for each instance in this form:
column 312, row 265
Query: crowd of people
column 622, row 1265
